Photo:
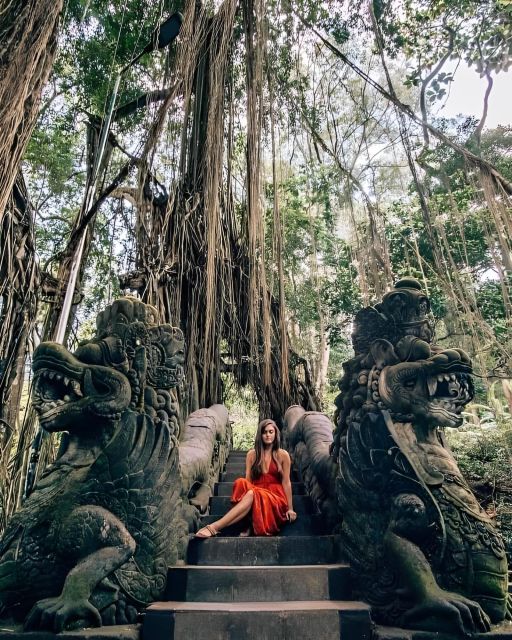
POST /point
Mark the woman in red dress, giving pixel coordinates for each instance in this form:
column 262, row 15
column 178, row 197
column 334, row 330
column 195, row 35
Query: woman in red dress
column 265, row 494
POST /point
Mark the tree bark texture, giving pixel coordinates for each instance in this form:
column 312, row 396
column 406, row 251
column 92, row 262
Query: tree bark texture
column 28, row 39
column 19, row 278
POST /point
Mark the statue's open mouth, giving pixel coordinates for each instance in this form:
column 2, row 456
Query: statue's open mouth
column 450, row 391
column 53, row 389
column 59, row 380
column 435, row 390
column 66, row 389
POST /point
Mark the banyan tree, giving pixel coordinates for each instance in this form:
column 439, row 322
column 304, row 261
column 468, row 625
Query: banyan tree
column 190, row 163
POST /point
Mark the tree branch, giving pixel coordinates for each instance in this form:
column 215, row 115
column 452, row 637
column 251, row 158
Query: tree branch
column 144, row 100
column 427, row 81
column 76, row 234
column 478, row 130
column 406, row 110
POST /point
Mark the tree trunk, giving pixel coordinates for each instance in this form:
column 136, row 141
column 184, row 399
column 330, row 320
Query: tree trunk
column 28, row 38
column 19, row 277
column 320, row 367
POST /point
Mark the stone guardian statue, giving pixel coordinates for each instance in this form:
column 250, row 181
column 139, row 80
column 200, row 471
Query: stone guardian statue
column 423, row 552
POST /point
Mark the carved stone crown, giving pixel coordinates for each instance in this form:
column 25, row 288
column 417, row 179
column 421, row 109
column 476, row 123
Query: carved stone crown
column 409, row 308
column 129, row 338
column 404, row 311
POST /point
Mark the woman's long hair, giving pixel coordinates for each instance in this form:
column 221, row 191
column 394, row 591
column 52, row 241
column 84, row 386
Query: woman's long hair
column 256, row 469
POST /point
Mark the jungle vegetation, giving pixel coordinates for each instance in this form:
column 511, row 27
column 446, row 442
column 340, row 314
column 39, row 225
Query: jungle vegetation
column 268, row 173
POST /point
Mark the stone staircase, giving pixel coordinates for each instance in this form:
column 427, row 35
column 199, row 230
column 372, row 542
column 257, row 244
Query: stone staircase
column 277, row 588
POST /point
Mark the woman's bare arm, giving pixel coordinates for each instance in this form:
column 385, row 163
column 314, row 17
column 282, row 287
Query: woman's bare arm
column 285, row 481
column 249, row 461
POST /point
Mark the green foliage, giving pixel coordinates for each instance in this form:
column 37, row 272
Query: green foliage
column 243, row 436
column 484, row 457
column 477, row 32
column 483, row 449
column 341, row 292
column 55, row 173
column 243, row 412
column 52, row 148
column 489, row 298
column 465, row 232
column 320, row 278
column 482, row 453
column 98, row 39
column 496, row 145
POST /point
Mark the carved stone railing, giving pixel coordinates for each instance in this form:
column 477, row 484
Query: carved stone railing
column 204, row 448
column 308, row 435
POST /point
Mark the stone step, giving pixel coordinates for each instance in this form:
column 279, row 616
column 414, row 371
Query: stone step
column 305, row 525
column 258, row 551
column 219, row 505
column 229, row 476
column 234, row 455
column 235, row 465
column 258, row 584
column 320, row 620
column 225, row 488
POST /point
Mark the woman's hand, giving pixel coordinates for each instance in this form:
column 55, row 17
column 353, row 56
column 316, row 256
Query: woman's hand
column 291, row 516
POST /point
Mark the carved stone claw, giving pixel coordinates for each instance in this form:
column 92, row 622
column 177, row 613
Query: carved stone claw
column 55, row 614
column 462, row 615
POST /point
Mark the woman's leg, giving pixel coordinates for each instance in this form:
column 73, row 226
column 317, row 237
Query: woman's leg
column 236, row 513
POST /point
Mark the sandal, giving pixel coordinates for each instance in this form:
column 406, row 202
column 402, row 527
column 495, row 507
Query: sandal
column 211, row 532
column 245, row 533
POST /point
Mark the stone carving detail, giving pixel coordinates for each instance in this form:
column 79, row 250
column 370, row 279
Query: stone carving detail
column 204, row 448
column 424, row 554
column 307, row 435
column 92, row 543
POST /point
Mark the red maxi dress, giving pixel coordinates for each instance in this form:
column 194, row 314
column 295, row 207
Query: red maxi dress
column 270, row 503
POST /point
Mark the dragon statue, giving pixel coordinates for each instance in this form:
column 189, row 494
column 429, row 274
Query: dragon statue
column 92, row 543
column 423, row 552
